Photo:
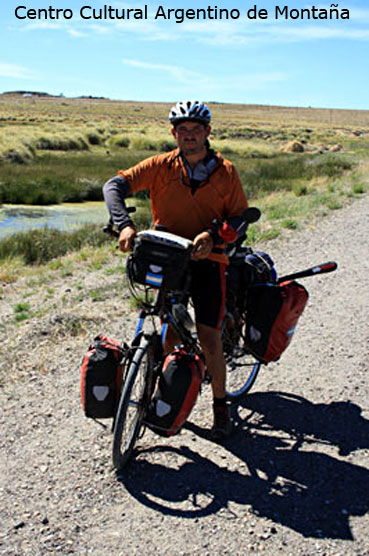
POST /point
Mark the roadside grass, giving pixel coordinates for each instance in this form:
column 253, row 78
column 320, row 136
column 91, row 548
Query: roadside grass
column 54, row 289
column 289, row 210
column 22, row 311
column 11, row 268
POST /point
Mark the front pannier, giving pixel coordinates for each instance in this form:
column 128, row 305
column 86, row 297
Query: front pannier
column 101, row 376
column 271, row 318
column 176, row 392
column 159, row 259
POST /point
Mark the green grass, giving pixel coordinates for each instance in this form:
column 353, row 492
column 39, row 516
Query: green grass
column 42, row 245
column 54, row 179
column 22, row 311
column 63, row 150
column 288, row 172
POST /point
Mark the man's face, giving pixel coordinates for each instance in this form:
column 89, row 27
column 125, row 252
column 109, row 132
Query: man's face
column 191, row 137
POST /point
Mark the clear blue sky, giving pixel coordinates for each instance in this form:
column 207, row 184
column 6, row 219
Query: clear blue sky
column 319, row 63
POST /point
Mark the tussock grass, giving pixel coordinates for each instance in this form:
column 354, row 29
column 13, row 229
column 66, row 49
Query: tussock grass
column 285, row 172
column 42, row 245
column 61, row 177
column 60, row 143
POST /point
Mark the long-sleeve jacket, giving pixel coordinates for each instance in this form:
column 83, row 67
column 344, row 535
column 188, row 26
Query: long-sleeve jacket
column 180, row 202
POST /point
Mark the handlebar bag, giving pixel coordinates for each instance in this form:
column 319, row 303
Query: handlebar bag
column 159, row 259
column 176, row 392
column 101, row 375
column 271, row 318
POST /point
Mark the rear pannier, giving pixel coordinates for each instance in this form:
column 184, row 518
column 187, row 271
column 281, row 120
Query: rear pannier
column 271, row 318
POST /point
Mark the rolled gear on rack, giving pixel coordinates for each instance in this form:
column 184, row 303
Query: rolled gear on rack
column 247, row 268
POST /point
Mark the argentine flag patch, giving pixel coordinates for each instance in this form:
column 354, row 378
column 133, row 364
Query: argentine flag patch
column 154, row 279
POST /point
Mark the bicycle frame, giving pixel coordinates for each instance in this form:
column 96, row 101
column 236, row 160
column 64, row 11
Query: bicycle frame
column 164, row 308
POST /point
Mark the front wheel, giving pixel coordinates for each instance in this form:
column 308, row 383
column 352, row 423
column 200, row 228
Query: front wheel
column 133, row 402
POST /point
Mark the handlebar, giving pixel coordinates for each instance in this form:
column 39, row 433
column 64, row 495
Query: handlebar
column 251, row 215
column 322, row 268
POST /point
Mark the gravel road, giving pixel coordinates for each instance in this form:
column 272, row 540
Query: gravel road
column 293, row 480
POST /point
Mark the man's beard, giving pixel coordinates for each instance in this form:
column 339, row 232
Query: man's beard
column 191, row 147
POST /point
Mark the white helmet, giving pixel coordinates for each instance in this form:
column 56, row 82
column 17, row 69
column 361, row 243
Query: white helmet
column 190, row 110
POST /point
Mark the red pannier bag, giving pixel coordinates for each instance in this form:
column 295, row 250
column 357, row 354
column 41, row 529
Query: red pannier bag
column 101, row 375
column 272, row 314
column 176, row 392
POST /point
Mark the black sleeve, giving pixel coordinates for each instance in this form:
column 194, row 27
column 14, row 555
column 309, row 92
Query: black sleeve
column 115, row 191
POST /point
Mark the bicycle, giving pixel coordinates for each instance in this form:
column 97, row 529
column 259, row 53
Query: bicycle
column 163, row 305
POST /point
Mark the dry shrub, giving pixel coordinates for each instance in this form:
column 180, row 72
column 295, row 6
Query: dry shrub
column 293, row 147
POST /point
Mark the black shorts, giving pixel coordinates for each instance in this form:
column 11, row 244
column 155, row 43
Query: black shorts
column 207, row 291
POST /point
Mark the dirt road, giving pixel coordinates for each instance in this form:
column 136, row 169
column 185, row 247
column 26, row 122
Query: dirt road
column 293, row 480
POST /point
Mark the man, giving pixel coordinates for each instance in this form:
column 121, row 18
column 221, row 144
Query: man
column 189, row 188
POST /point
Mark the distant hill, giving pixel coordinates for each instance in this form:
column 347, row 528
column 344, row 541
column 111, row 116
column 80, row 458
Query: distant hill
column 41, row 94
column 33, row 93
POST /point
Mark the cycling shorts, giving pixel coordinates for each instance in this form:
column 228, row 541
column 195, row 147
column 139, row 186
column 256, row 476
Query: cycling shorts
column 207, row 291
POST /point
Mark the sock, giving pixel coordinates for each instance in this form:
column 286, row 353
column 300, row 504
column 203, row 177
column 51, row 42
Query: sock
column 220, row 402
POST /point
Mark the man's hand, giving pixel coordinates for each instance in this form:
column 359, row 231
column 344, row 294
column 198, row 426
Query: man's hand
column 203, row 244
column 126, row 238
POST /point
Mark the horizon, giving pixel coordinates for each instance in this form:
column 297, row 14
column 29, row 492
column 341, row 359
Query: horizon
column 41, row 94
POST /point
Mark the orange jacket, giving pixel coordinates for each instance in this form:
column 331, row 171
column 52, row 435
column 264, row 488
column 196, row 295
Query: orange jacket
column 178, row 208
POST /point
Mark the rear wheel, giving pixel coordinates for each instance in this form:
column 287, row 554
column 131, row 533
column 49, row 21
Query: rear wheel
column 242, row 367
column 133, row 402
column 242, row 371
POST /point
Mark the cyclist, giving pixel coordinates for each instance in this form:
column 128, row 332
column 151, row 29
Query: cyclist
column 189, row 188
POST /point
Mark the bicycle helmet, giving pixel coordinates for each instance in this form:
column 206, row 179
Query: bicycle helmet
column 189, row 110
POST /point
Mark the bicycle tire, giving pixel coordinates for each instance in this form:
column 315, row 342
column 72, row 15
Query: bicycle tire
column 242, row 367
column 241, row 380
column 133, row 402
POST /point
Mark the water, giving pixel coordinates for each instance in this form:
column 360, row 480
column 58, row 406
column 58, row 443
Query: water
column 17, row 218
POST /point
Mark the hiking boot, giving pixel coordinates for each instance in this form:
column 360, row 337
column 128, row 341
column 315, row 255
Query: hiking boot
column 223, row 424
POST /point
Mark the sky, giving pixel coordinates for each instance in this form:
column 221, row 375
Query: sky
column 289, row 62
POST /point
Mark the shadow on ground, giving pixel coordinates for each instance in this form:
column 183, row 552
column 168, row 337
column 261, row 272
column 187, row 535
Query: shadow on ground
column 283, row 467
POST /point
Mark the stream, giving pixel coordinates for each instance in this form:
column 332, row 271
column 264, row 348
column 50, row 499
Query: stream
column 19, row 218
